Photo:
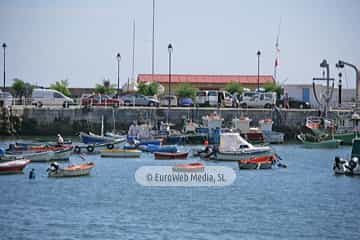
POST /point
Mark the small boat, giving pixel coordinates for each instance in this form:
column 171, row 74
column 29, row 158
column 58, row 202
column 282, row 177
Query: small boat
column 70, row 171
column 264, row 162
column 167, row 155
column 145, row 142
column 62, row 154
column 92, row 138
column 43, row 156
column 155, row 148
column 122, row 153
column 15, row 166
column 270, row 136
column 190, row 167
column 93, row 148
column 329, row 143
column 33, row 145
column 352, row 166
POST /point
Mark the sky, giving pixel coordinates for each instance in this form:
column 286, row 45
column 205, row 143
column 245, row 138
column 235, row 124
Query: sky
column 78, row 40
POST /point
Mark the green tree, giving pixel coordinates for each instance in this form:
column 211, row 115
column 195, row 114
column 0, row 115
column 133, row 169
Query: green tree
column 105, row 88
column 273, row 87
column 234, row 87
column 143, row 89
column 148, row 89
column 61, row 86
column 186, row 90
column 21, row 89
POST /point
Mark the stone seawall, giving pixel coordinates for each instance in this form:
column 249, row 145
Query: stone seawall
column 50, row 121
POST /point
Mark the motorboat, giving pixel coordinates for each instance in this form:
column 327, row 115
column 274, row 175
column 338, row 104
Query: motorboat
column 91, row 138
column 71, row 171
column 270, row 136
column 318, row 142
column 15, row 166
column 352, row 166
column 189, row 167
column 168, row 156
column 42, row 156
column 233, row 147
column 155, row 148
column 121, row 153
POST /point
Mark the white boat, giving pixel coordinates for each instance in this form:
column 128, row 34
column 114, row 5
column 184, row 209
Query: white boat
column 44, row 156
column 352, row 166
column 63, row 154
column 122, row 153
column 15, row 166
column 234, row 148
column 70, row 171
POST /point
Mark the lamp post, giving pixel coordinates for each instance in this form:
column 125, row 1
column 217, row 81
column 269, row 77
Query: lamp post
column 118, row 57
column 170, row 49
column 258, row 68
column 4, row 46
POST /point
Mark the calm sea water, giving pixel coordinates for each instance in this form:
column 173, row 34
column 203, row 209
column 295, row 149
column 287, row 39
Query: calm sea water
column 304, row 201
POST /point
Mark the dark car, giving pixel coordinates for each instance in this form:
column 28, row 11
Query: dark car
column 101, row 100
column 293, row 103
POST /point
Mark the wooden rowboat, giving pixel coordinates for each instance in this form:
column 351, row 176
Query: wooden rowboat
column 190, row 167
column 128, row 153
column 264, row 162
column 15, row 166
column 166, row 156
column 72, row 171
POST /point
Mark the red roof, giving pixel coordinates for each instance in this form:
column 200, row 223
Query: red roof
column 215, row 79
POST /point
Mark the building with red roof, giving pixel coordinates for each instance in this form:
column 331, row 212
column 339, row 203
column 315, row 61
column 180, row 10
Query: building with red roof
column 206, row 82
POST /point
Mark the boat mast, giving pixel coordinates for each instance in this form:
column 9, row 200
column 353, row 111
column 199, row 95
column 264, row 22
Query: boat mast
column 153, row 44
column 277, row 53
column 133, row 53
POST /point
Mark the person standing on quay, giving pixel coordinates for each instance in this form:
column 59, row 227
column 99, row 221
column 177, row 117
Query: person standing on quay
column 286, row 101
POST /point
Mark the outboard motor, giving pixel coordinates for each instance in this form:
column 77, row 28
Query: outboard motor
column 338, row 166
column 53, row 167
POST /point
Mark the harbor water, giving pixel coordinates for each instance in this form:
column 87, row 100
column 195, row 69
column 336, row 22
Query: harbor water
column 304, row 201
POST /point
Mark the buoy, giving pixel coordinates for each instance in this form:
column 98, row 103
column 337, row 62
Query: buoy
column 206, row 142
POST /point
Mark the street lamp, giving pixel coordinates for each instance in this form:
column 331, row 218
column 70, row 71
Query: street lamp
column 170, row 49
column 4, row 46
column 258, row 75
column 342, row 64
column 118, row 57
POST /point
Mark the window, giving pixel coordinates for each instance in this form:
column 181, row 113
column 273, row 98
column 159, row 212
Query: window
column 57, row 95
column 213, row 94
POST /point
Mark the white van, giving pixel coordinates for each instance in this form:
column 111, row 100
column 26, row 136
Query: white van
column 50, row 97
column 202, row 98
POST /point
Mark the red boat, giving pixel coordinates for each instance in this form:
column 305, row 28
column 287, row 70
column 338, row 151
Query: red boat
column 264, row 162
column 166, row 156
column 191, row 167
column 15, row 166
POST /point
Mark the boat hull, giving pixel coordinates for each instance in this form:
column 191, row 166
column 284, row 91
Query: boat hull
column 323, row 144
column 12, row 167
column 169, row 156
column 345, row 138
column 62, row 155
column 94, row 139
column 121, row 153
column 241, row 155
column 264, row 162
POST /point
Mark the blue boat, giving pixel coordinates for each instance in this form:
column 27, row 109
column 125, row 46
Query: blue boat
column 155, row 148
column 94, row 139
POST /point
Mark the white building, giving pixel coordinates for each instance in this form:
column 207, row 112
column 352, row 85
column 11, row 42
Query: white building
column 305, row 93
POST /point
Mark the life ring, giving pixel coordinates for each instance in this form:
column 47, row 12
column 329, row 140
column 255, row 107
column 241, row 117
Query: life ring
column 77, row 149
column 90, row 148
column 110, row 146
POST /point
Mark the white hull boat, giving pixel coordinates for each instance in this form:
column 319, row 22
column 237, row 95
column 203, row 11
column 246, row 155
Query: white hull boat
column 71, row 171
column 62, row 155
column 121, row 153
column 44, row 156
column 234, row 148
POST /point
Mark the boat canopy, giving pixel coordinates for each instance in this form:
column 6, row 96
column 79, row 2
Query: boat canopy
column 233, row 142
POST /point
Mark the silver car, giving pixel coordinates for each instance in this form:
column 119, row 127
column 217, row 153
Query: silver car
column 139, row 100
column 6, row 99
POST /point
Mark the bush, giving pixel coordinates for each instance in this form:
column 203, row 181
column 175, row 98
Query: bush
column 62, row 87
column 234, row 87
column 272, row 87
column 105, row 88
column 148, row 89
column 186, row 90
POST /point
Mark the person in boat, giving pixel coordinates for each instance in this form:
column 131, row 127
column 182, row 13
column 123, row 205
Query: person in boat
column 60, row 140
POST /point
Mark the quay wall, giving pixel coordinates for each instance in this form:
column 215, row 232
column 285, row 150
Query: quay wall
column 50, row 121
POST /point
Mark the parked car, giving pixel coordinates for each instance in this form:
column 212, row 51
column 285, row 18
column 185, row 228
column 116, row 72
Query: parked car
column 213, row 98
column 52, row 97
column 185, row 102
column 139, row 100
column 101, row 100
column 164, row 100
column 224, row 97
column 259, row 100
column 6, row 99
column 293, row 103
column 202, row 98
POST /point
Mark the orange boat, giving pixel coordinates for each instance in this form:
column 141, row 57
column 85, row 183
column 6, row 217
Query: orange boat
column 167, row 156
column 191, row 167
column 70, row 171
column 264, row 162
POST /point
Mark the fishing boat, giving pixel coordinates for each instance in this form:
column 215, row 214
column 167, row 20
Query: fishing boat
column 121, row 153
column 33, row 145
column 15, row 166
column 233, row 147
column 352, row 166
column 70, row 171
column 43, row 156
column 167, row 155
column 264, row 162
column 62, row 154
column 270, row 136
column 155, row 148
column 251, row 134
column 189, row 167
column 319, row 143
